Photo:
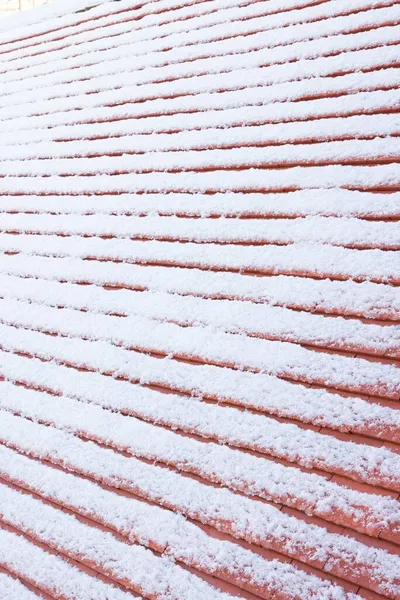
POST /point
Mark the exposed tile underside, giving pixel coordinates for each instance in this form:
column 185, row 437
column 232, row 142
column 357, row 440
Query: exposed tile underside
column 199, row 206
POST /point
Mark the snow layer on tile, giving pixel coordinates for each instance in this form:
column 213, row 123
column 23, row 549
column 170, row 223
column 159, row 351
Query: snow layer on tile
column 130, row 434
column 262, row 392
column 189, row 496
column 50, row 573
column 336, row 231
column 231, row 316
column 199, row 299
column 345, row 203
column 314, row 542
column 138, row 568
column 144, row 87
column 302, row 258
column 218, row 180
column 230, row 57
column 205, row 343
column 339, row 202
column 177, row 537
column 252, row 28
column 165, row 18
column 340, row 153
column 12, row 588
column 208, row 504
column 367, row 299
column 209, row 97
column 225, row 50
column 189, row 133
column 199, row 112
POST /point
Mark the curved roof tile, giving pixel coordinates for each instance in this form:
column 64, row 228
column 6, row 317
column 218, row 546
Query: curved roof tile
column 199, row 307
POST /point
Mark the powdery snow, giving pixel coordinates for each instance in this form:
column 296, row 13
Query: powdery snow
column 199, row 300
column 11, row 588
column 50, row 573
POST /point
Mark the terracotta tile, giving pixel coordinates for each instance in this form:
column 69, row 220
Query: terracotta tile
column 368, row 595
column 165, row 105
column 40, row 593
column 363, row 487
column 313, row 520
column 346, row 585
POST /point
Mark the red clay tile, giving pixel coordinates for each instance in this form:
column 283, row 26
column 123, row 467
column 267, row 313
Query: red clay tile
column 157, row 175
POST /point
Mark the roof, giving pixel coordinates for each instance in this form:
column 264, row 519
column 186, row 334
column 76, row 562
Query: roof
column 199, row 301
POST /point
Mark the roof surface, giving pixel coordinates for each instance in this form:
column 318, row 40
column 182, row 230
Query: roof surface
column 199, row 206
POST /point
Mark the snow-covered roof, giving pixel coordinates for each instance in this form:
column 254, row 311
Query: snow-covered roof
column 199, row 301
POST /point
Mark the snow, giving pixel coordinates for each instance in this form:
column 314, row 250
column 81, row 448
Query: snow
column 203, row 111
column 366, row 299
column 168, row 17
column 200, row 59
column 151, row 83
column 138, row 568
column 302, row 258
column 132, row 136
column 199, row 300
column 266, row 435
column 270, row 523
column 208, row 96
column 130, row 162
column 261, row 392
column 179, row 538
column 353, row 233
column 11, row 589
column 204, row 181
column 258, row 320
column 205, row 343
column 339, row 202
column 50, row 573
